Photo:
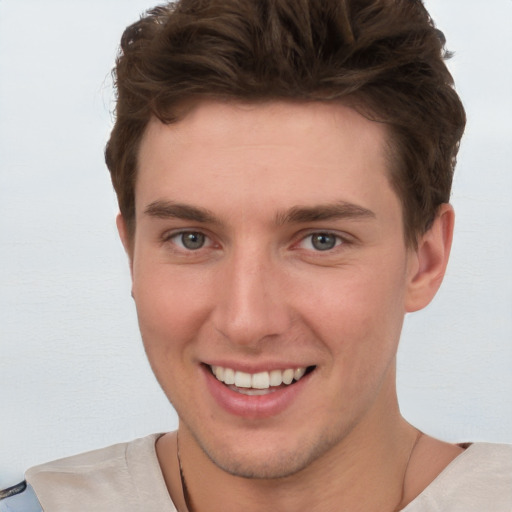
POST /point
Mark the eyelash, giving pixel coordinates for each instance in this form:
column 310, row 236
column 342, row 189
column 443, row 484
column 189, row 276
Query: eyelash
column 173, row 236
column 339, row 240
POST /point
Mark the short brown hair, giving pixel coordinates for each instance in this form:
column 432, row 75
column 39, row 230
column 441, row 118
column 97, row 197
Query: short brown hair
column 385, row 57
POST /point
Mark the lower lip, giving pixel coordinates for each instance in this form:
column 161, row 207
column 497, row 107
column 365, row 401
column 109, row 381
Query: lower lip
column 256, row 406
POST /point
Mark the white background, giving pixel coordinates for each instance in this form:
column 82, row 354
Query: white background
column 73, row 374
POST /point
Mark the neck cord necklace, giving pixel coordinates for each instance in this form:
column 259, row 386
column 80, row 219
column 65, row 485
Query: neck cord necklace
column 186, row 496
column 399, row 505
column 184, row 489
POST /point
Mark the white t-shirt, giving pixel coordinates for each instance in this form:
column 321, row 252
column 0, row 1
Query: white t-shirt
column 127, row 478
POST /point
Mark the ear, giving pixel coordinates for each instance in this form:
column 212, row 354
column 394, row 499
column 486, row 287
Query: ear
column 428, row 262
column 126, row 239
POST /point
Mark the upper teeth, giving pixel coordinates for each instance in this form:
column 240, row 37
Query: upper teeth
column 261, row 380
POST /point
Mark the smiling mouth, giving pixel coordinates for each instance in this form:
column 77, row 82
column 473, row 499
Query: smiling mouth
column 260, row 383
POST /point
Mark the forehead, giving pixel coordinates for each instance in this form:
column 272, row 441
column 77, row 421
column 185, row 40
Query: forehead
column 275, row 122
column 296, row 152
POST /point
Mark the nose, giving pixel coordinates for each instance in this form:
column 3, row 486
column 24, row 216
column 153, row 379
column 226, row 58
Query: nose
column 251, row 304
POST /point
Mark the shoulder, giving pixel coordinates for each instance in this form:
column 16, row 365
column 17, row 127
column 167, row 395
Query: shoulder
column 478, row 479
column 123, row 477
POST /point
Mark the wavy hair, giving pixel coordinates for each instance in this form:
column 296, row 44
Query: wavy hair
column 383, row 57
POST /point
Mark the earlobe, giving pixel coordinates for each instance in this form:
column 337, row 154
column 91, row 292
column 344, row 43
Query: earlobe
column 430, row 260
column 126, row 240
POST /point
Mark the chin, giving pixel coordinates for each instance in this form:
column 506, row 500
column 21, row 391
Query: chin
column 269, row 462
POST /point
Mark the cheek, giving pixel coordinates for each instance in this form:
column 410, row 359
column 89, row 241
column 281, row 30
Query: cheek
column 358, row 313
column 171, row 311
column 171, row 307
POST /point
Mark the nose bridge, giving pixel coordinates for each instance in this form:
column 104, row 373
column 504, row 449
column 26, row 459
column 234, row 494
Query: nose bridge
column 251, row 304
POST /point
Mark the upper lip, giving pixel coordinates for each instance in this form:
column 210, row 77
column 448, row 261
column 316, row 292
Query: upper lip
column 257, row 367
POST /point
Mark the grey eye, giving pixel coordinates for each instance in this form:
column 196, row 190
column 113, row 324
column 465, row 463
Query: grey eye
column 192, row 240
column 323, row 241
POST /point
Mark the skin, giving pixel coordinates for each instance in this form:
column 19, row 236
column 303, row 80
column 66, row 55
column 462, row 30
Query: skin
column 259, row 293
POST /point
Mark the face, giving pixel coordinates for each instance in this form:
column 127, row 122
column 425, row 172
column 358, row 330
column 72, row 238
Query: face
column 270, row 277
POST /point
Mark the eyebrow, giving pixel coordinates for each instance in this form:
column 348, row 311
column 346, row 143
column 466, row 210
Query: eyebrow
column 170, row 209
column 295, row 215
column 339, row 210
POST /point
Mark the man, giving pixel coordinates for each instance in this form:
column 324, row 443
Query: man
column 283, row 171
